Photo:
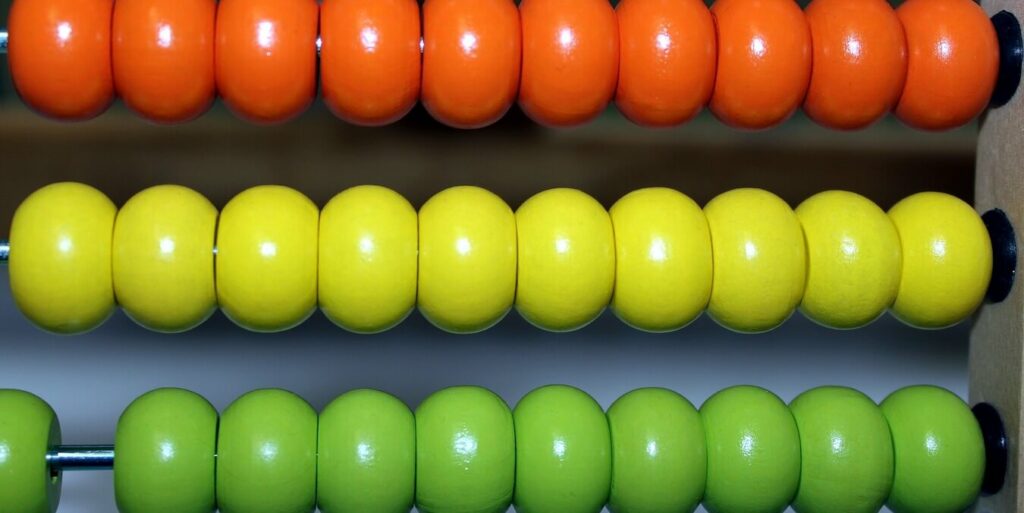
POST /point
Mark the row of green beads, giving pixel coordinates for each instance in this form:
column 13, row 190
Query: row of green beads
column 464, row 451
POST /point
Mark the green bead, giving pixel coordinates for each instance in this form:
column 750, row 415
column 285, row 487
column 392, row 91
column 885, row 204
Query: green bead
column 28, row 428
column 465, row 452
column 846, row 452
column 753, row 452
column 367, row 454
column 659, row 453
column 938, row 449
column 563, row 452
column 166, row 441
column 266, row 454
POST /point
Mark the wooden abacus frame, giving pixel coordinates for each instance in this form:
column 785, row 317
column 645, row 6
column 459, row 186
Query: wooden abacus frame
column 996, row 362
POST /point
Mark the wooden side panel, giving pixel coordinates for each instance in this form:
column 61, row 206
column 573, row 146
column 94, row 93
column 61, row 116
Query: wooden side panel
column 997, row 340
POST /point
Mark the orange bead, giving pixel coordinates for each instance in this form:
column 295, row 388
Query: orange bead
column 59, row 55
column 265, row 57
column 163, row 57
column 370, row 59
column 570, row 60
column 667, row 61
column 952, row 63
column 764, row 61
column 471, row 60
column 860, row 62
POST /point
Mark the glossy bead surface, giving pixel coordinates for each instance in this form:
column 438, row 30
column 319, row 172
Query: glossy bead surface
column 663, row 264
column 753, row 451
column 668, row 53
column 947, row 260
column 563, row 452
column 764, row 61
column 939, row 452
column 370, row 59
column 59, row 56
column 854, row 259
column 846, row 452
column 28, row 428
column 952, row 63
column 660, row 453
column 166, row 444
column 267, row 258
column 467, row 259
column 366, row 454
column 471, row 60
column 570, row 60
column 163, row 57
column 860, row 62
column 266, row 454
column 163, row 258
column 265, row 57
column 59, row 265
column 760, row 260
column 566, row 259
column 465, row 452
column 367, row 262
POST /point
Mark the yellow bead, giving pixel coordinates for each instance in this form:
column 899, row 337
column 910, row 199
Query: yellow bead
column 267, row 258
column 467, row 280
column 60, row 258
column 853, row 259
column 947, row 260
column 368, row 242
column 163, row 258
column 663, row 262
column 566, row 259
column 759, row 256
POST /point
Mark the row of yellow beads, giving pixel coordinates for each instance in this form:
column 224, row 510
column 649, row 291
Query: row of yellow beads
column 466, row 258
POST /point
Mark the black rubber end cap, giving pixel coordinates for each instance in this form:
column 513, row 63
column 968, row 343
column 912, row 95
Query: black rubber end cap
column 1004, row 254
column 994, row 435
column 1011, row 54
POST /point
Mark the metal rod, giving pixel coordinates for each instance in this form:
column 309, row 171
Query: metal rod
column 81, row 457
column 5, row 251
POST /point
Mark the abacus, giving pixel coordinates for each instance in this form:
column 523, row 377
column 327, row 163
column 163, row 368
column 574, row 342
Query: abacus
column 270, row 258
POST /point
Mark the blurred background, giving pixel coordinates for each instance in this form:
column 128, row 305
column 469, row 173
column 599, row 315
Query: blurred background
column 89, row 379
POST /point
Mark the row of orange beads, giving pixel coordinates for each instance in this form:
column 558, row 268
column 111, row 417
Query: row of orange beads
column 753, row 62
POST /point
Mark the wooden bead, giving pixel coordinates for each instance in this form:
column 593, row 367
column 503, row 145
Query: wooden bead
column 366, row 454
column 860, row 62
column 668, row 50
column 266, row 454
column 467, row 259
column 846, row 452
column 267, row 258
column 563, row 452
column 947, row 260
column 370, row 59
column 566, row 259
column 854, row 259
column 753, row 451
column 28, row 429
column 163, row 57
column 166, row 448
column 471, row 60
column 759, row 260
column 570, row 60
column 59, row 56
column 764, row 61
column 367, row 259
column 465, row 452
column 663, row 261
column 938, row 451
column 952, row 63
column 163, row 258
column 60, row 262
column 266, row 57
